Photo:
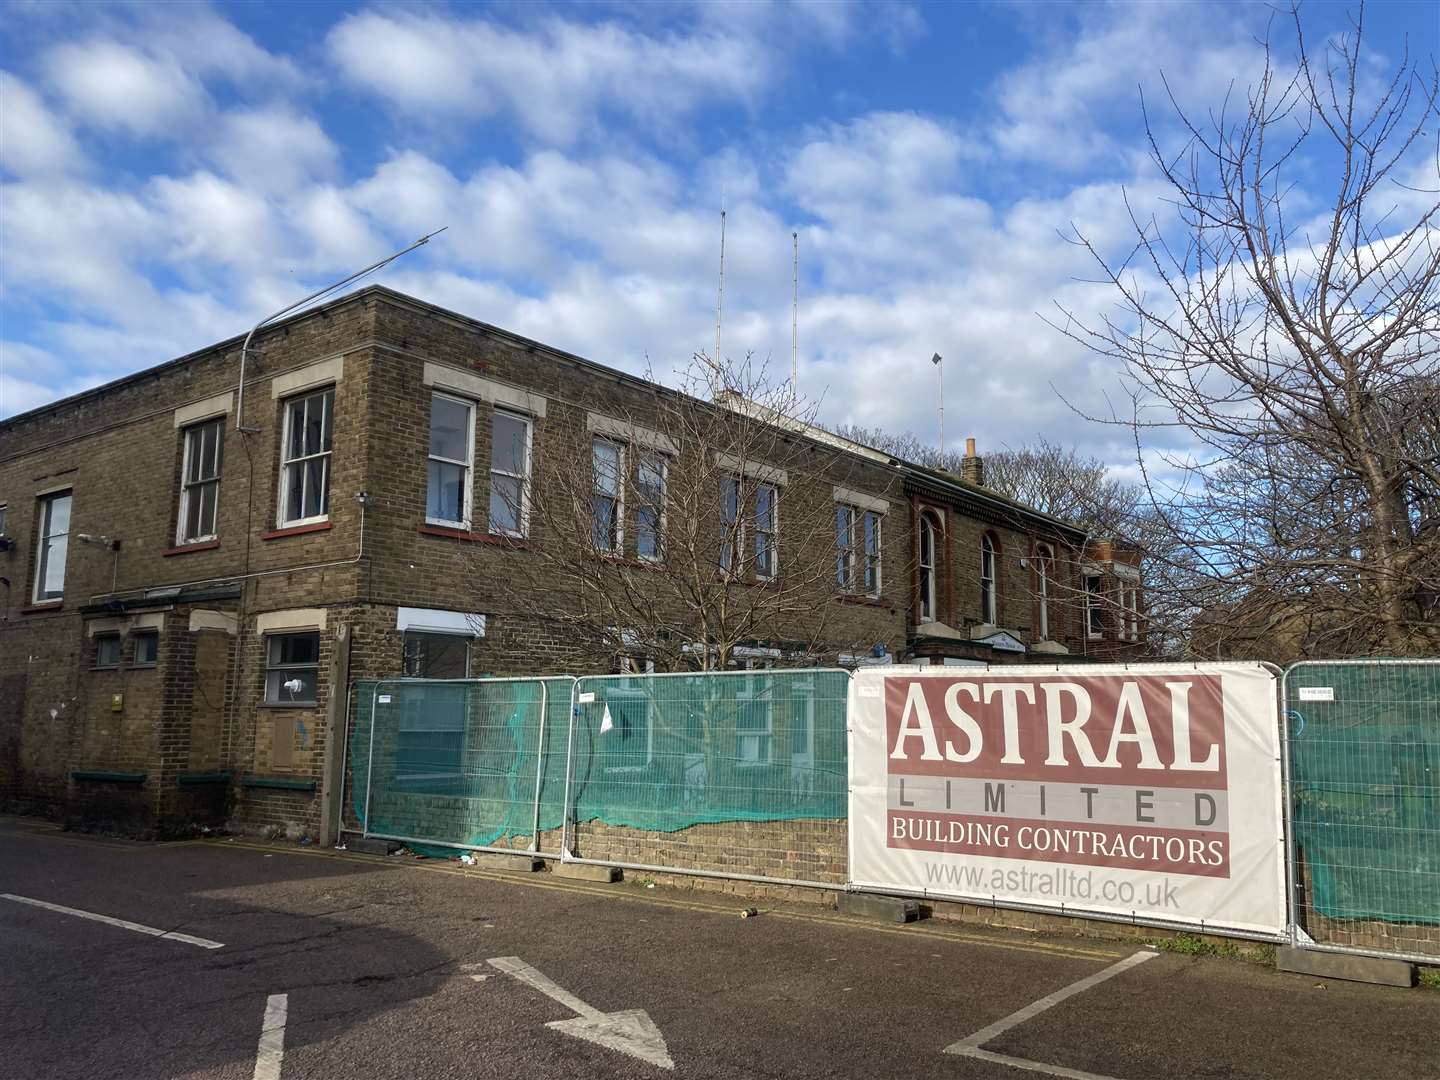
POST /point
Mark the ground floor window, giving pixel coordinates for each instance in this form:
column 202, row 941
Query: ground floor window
column 627, row 742
column 107, row 650
column 292, row 668
column 147, row 648
column 434, row 720
column 436, row 656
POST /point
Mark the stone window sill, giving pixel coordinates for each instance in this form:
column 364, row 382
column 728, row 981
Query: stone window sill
column 296, row 530
column 190, row 549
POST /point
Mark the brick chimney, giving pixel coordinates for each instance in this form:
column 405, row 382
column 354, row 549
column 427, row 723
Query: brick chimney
column 972, row 468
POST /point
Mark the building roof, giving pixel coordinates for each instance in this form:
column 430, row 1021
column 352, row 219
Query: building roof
column 939, row 482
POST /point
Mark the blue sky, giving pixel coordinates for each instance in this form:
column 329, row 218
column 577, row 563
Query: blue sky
column 172, row 172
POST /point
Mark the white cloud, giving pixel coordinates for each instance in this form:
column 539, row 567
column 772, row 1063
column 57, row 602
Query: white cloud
column 273, row 149
column 555, row 79
column 211, row 220
column 1054, row 107
column 77, row 239
column 116, row 87
column 33, row 140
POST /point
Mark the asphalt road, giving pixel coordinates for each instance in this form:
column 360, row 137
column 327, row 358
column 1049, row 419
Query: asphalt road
column 365, row 967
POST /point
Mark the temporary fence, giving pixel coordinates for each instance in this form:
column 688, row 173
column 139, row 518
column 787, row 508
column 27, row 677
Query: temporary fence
column 725, row 774
column 476, row 763
column 1364, row 758
column 736, row 774
column 753, row 775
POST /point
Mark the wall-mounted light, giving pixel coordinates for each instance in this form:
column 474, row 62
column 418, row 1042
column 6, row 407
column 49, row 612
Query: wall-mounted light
column 99, row 541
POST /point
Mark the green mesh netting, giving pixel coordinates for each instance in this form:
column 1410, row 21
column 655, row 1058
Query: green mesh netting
column 455, row 762
column 665, row 752
column 1365, row 769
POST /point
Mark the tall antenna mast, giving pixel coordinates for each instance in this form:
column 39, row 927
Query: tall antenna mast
column 720, row 296
column 795, row 317
column 938, row 361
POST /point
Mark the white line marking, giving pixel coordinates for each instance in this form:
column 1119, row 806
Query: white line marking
column 271, row 1052
column 630, row 1031
column 1049, row 1001
column 124, row 924
column 1030, row 1066
column 513, row 965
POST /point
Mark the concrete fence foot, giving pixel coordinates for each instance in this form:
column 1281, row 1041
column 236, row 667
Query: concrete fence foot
column 1327, row 965
column 586, row 872
column 891, row 909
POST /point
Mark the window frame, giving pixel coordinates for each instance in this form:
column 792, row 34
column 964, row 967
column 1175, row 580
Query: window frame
column 928, row 573
column 616, row 544
column 468, row 641
column 845, row 547
column 854, row 559
column 1129, row 611
column 4, row 515
column 523, row 510
column 989, row 583
column 751, row 695
column 188, row 487
column 1094, row 610
column 732, row 527
column 872, row 559
column 1044, row 574
column 773, row 532
column 641, row 504
column 326, row 455
column 628, row 666
column 44, row 517
column 135, row 638
column 109, row 637
column 467, row 498
column 270, row 665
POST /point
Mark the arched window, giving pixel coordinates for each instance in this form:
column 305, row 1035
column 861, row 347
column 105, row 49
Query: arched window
column 1044, row 573
column 927, row 569
column 989, row 609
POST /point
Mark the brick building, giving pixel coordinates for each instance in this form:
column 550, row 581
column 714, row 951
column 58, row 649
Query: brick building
column 194, row 569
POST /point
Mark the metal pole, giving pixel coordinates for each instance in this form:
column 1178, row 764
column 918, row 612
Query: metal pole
column 795, row 318
column 720, row 292
column 370, row 761
column 941, row 365
column 288, row 308
column 540, row 763
column 566, row 855
column 1292, row 912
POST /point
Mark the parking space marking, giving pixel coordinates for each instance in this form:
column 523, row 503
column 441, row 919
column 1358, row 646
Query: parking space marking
column 970, row 1047
column 270, row 1054
column 1033, row 1066
column 109, row 920
column 1049, row 1001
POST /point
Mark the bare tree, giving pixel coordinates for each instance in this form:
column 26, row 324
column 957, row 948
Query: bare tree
column 687, row 527
column 1286, row 348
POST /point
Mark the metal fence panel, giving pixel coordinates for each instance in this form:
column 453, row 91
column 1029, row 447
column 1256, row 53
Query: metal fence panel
column 474, row 763
column 1364, row 756
column 730, row 774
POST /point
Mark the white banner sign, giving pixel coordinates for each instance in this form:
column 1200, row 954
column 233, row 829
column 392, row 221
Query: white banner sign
column 1150, row 791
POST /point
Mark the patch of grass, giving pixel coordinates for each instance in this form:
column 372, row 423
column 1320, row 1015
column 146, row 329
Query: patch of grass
column 1190, row 945
column 1430, row 978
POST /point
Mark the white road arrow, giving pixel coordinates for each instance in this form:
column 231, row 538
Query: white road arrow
column 630, row 1031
